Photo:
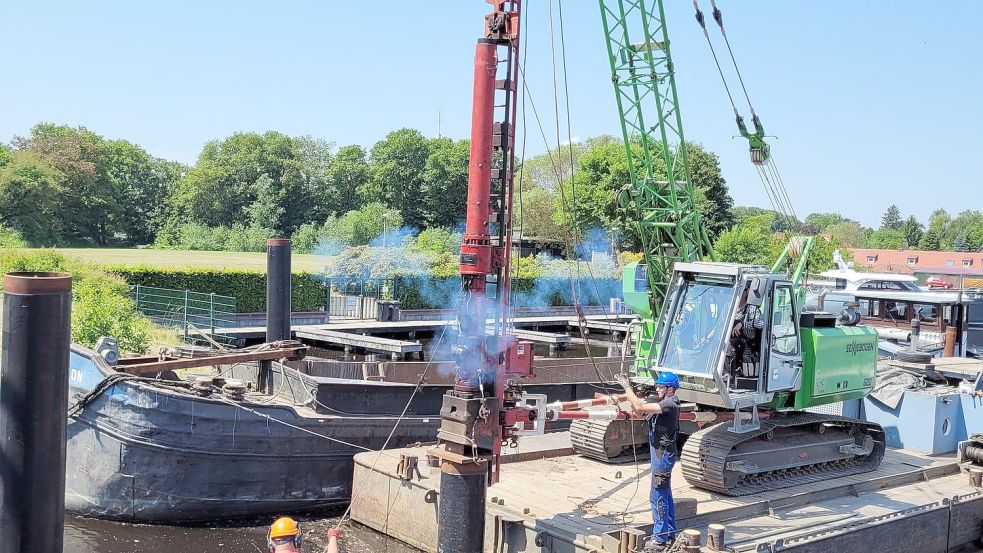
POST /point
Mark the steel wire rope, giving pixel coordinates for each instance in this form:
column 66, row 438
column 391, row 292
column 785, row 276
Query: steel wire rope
column 573, row 165
column 774, row 185
column 558, row 168
column 419, row 384
column 566, row 103
column 719, row 18
column 706, row 34
column 772, row 166
column 569, row 208
column 522, row 163
column 581, row 318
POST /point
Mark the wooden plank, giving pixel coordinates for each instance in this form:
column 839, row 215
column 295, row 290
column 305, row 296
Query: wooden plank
column 290, row 353
column 542, row 337
column 598, row 324
column 372, row 343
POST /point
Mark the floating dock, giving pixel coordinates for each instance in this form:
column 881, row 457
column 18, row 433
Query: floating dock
column 397, row 348
column 363, row 335
column 549, row 499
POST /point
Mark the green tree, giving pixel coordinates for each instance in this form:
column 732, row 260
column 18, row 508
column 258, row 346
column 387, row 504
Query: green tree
column 885, row 239
column 747, row 242
column 704, row 168
column 144, row 183
column 223, row 184
column 848, row 234
column 444, row 188
column 820, row 222
column 309, row 193
column 350, row 174
column 536, row 215
column 398, row 162
column 931, row 240
column 969, row 225
column 741, row 212
column 960, row 244
column 362, row 226
column 912, row 231
column 438, row 240
column 548, row 170
column 892, row 218
column 589, row 199
column 29, row 196
column 937, row 233
column 88, row 205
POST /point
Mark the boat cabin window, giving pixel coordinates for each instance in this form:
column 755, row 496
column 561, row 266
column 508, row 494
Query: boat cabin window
column 927, row 313
column 899, row 314
column 889, row 285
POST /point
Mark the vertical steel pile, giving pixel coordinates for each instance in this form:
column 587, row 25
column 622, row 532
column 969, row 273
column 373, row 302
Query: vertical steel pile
column 33, row 405
column 480, row 413
column 277, row 302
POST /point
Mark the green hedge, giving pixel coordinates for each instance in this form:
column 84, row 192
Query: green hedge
column 247, row 287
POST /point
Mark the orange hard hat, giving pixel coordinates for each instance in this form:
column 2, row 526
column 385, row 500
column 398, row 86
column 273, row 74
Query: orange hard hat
column 284, row 527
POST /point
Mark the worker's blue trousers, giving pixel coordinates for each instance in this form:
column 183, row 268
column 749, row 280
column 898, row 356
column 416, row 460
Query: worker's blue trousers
column 663, row 510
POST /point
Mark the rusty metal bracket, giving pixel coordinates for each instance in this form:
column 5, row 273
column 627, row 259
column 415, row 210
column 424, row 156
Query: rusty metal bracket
column 408, row 467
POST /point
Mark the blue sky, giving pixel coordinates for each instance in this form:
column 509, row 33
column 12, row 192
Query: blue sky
column 872, row 102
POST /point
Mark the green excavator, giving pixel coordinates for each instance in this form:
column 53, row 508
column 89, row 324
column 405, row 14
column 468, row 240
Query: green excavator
column 750, row 359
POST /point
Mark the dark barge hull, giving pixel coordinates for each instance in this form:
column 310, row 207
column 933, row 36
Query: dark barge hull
column 142, row 452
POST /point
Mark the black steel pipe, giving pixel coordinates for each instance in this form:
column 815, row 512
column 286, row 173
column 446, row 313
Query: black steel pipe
column 461, row 511
column 277, row 303
column 277, row 289
column 37, row 310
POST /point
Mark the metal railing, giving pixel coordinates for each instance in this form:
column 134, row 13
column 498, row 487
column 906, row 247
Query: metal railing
column 357, row 298
column 191, row 313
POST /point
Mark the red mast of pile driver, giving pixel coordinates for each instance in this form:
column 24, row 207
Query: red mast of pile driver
column 481, row 413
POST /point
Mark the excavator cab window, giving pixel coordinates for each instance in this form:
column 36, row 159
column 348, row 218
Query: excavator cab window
column 784, row 335
column 696, row 327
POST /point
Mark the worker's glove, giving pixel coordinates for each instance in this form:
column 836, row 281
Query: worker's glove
column 334, row 533
column 623, row 381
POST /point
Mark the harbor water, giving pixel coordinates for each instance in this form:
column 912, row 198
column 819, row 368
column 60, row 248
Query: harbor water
column 99, row 536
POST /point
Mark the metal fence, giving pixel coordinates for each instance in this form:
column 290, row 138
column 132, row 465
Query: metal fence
column 191, row 313
column 357, row 298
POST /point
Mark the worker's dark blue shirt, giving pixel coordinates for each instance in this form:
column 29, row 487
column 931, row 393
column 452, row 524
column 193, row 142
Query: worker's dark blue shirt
column 664, row 427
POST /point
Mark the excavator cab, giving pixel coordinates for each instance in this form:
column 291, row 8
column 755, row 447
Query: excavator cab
column 730, row 332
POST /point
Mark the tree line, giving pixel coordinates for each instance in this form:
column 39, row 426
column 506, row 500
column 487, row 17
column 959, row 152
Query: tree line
column 943, row 232
column 68, row 186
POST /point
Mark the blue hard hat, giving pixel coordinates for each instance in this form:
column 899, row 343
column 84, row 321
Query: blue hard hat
column 667, row 378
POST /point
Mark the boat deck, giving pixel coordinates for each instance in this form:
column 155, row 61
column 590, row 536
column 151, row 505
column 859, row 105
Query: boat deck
column 579, row 504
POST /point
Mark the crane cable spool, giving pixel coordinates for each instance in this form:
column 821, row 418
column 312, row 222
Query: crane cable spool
column 796, row 245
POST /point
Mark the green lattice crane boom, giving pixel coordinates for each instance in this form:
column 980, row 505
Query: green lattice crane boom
column 667, row 222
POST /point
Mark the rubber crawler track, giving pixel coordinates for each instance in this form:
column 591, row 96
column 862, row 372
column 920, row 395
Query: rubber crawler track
column 705, row 453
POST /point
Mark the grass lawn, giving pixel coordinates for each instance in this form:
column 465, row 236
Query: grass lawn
column 174, row 258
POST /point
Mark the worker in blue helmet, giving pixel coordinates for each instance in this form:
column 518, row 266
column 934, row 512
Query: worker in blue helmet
column 662, row 412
